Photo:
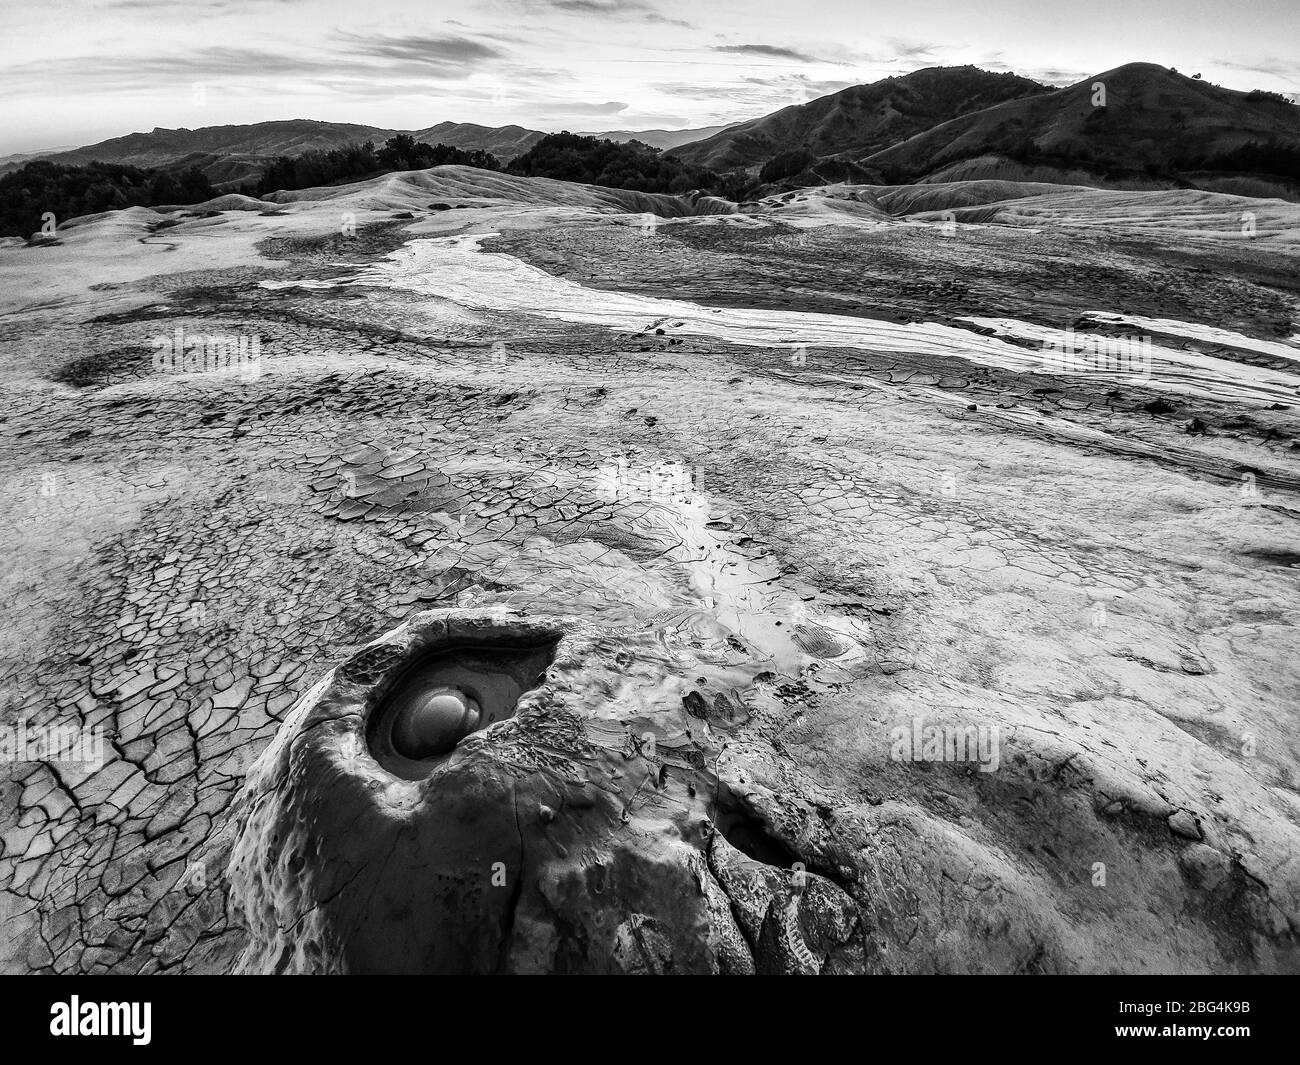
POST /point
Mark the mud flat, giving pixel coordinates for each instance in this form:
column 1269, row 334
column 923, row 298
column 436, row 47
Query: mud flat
column 449, row 268
column 909, row 655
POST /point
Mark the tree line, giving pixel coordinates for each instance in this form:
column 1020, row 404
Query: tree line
column 67, row 191
column 631, row 165
column 564, row 156
column 352, row 162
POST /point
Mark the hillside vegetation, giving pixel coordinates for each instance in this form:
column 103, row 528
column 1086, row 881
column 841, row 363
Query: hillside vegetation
column 66, row 191
column 631, row 165
column 356, row 161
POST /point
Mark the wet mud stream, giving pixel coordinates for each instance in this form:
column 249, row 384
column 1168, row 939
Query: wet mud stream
column 739, row 588
column 456, row 269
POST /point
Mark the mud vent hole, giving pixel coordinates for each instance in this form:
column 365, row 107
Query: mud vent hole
column 750, row 836
column 417, row 718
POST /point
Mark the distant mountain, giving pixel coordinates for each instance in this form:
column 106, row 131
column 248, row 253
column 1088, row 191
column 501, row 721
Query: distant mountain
column 659, row 138
column 861, row 119
column 1155, row 128
column 228, row 155
column 18, row 158
column 1153, row 121
column 505, row 142
column 261, row 139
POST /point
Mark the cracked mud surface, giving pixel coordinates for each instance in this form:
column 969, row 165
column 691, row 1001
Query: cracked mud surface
column 767, row 566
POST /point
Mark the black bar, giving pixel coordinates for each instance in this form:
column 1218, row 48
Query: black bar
column 242, row 1015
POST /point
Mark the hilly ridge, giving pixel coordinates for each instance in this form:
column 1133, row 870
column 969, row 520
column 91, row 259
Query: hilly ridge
column 1149, row 119
column 1154, row 128
column 231, row 154
column 861, row 119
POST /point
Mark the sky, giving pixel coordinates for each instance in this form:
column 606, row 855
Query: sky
column 74, row 72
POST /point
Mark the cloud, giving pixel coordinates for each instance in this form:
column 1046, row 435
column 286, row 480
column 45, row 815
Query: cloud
column 638, row 10
column 641, row 10
column 645, row 120
column 367, row 64
column 1287, row 69
column 751, row 97
column 211, row 7
column 905, row 49
column 769, row 50
column 597, row 7
column 440, row 49
column 816, row 88
column 143, row 71
column 575, row 107
column 1054, row 77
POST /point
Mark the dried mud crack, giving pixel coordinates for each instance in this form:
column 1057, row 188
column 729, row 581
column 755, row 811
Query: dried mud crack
column 788, row 547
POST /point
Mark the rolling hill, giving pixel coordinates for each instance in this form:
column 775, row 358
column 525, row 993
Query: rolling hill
column 228, row 155
column 505, row 142
column 861, row 119
column 1155, row 129
column 1154, row 122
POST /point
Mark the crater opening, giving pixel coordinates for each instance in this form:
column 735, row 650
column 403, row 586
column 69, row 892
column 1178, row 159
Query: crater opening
column 417, row 718
column 750, row 836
